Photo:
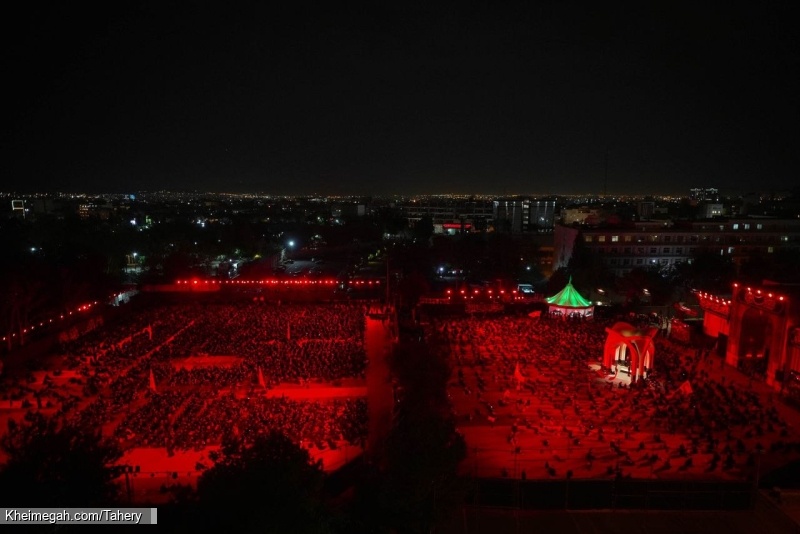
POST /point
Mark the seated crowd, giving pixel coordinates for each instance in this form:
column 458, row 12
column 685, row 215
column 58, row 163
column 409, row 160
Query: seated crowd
column 112, row 369
column 533, row 380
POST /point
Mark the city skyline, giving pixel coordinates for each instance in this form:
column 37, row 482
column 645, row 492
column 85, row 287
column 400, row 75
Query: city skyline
column 401, row 100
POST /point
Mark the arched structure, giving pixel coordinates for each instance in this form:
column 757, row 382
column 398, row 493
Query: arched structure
column 630, row 347
column 568, row 301
column 761, row 340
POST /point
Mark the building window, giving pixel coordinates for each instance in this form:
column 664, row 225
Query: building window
column 627, row 250
column 614, row 238
column 667, row 239
column 639, row 261
column 747, row 226
column 627, row 239
column 770, row 249
column 601, row 238
column 587, row 238
column 614, row 250
column 785, row 238
column 666, row 250
column 653, row 250
column 735, row 226
column 730, row 250
column 679, row 250
column 759, row 226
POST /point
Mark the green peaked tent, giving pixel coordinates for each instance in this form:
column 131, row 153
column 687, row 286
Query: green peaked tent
column 568, row 302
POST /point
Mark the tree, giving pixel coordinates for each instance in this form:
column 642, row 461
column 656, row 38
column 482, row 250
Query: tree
column 418, row 484
column 271, row 484
column 25, row 293
column 557, row 281
column 53, row 466
column 423, row 229
column 634, row 284
column 707, row 271
column 587, row 268
column 411, row 288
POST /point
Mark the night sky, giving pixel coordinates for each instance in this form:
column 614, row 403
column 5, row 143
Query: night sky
column 399, row 99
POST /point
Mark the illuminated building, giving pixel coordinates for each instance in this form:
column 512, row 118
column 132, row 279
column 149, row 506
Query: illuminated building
column 449, row 215
column 521, row 215
column 662, row 244
column 758, row 331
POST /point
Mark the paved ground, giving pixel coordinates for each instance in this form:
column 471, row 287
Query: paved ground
column 544, row 445
column 763, row 519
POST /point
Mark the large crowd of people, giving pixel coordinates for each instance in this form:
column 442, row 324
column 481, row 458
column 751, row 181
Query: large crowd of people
column 131, row 379
column 184, row 419
column 535, row 383
column 182, row 376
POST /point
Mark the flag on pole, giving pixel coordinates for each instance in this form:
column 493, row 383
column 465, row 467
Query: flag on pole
column 518, row 375
column 686, row 388
column 153, row 382
column 261, row 381
column 288, row 331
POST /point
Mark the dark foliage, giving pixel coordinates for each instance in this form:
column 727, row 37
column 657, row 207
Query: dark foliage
column 52, row 466
column 269, row 485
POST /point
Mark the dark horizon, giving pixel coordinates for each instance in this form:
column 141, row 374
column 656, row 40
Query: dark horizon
column 401, row 100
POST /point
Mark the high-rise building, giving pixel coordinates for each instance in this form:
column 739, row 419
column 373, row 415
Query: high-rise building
column 449, row 215
column 704, row 194
column 521, row 215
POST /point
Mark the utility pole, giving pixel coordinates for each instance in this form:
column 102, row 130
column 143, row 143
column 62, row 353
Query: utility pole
column 387, row 278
